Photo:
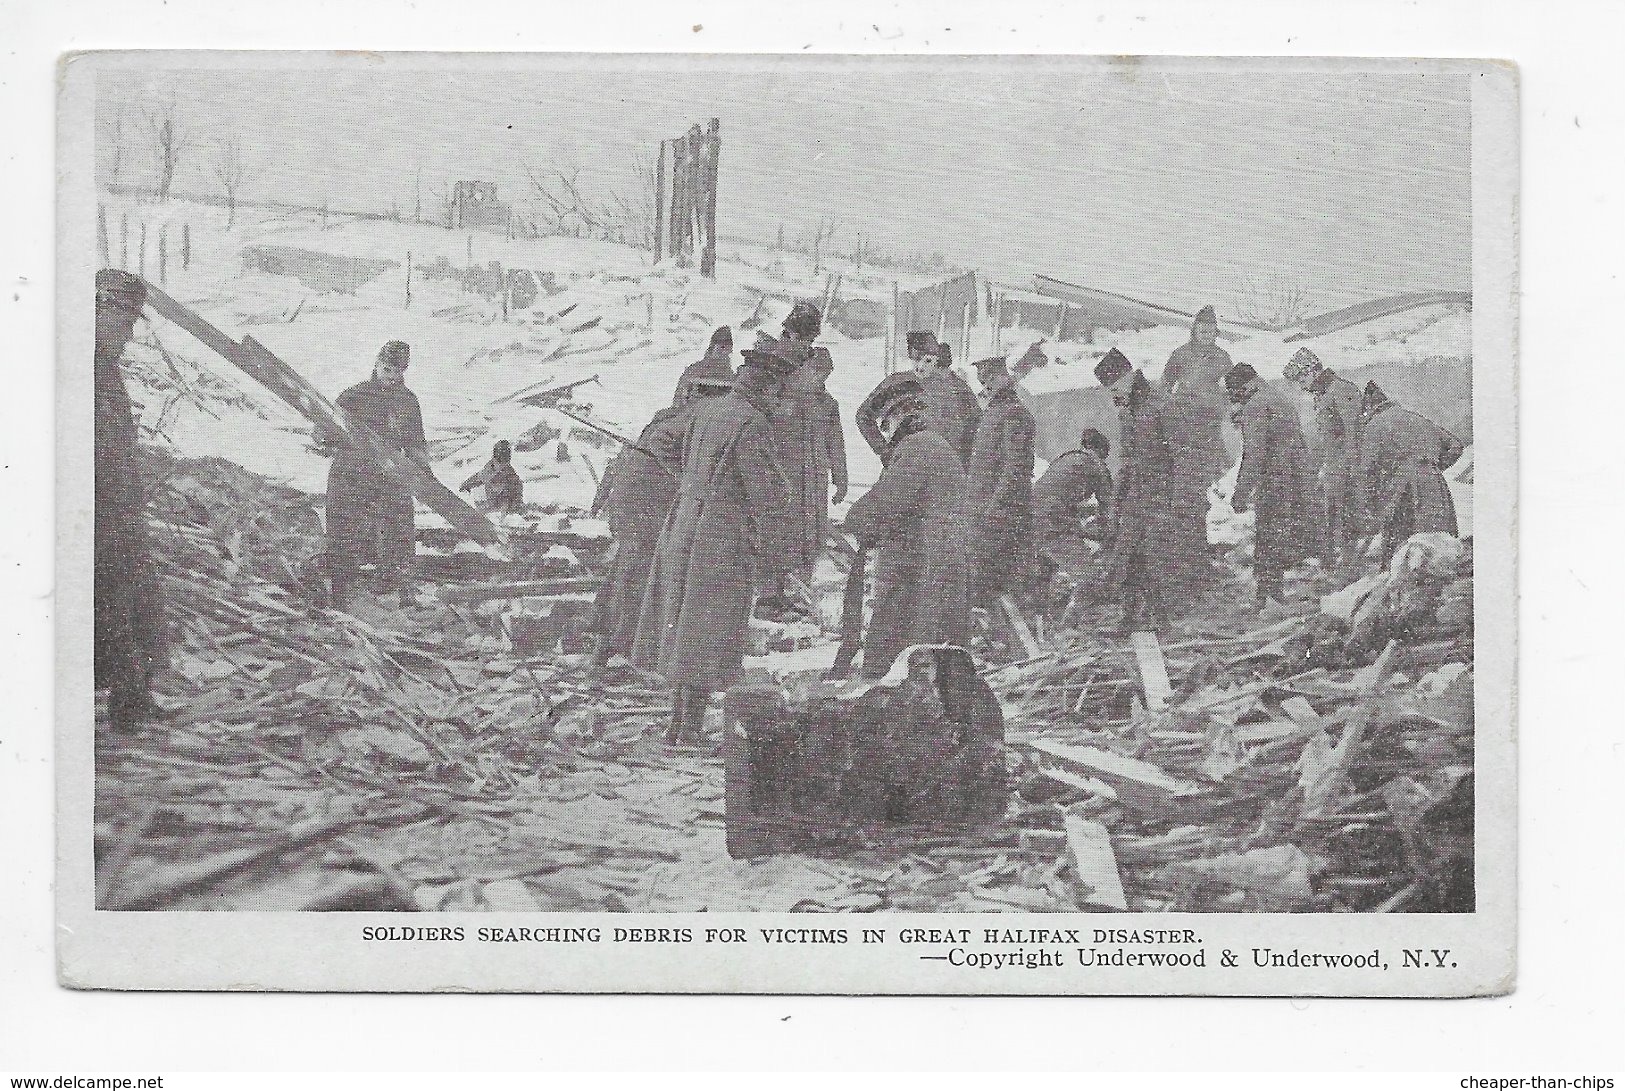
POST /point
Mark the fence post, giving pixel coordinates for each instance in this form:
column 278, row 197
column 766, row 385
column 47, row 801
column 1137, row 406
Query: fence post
column 186, row 245
column 124, row 240
column 471, row 251
column 713, row 144
column 101, row 235
column 409, row 278
column 1060, row 323
column 650, row 322
column 891, row 343
column 163, row 253
column 660, row 201
column 141, row 254
column 964, row 337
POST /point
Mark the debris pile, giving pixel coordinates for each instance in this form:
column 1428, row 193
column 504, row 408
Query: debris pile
column 1321, row 763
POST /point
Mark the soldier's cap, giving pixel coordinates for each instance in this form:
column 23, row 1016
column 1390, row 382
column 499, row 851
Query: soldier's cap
column 1303, row 363
column 991, row 362
column 905, row 396
column 770, row 360
column 1095, row 440
column 921, row 342
column 804, row 320
column 118, row 288
column 722, row 335
column 1206, row 314
column 1237, row 378
column 1374, row 396
column 1112, row 367
column 398, row 353
column 820, row 356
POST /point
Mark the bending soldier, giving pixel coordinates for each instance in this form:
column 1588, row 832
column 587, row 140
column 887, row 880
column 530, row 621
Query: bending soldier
column 1061, row 499
column 915, row 516
column 1277, row 479
column 369, row 516
column 1403, row 456
column 504, row 492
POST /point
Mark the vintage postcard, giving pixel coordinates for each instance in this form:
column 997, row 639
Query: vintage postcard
column 798, row 524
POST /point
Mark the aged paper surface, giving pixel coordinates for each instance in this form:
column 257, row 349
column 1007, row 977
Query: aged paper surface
column 1152, row 722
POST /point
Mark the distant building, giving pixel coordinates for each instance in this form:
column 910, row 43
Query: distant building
column 475, row 204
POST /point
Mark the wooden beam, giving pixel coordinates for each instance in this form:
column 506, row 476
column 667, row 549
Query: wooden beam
column 265, row 368
column 1153, row 670
column 1096, row 863
column 660, row 202
column 1012, row 613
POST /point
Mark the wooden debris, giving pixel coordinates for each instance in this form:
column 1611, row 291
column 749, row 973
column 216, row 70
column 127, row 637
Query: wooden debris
column 1018, row 624
column 1096, row 864
column 1153, row 670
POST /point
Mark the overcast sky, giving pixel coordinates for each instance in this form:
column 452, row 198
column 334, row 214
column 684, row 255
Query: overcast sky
column 1155, row 179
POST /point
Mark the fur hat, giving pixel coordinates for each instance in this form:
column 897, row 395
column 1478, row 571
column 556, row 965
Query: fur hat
column 921, row 342
column 1303, row 364
column 1206, row 314
column 770, row 359
column 1112, row 367
column 395, row 352
column 1374, row 398
column 1237, row 378
column 1093, row 439
column 804, row 321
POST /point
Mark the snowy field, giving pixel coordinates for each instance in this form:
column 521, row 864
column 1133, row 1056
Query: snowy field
column 610, row 313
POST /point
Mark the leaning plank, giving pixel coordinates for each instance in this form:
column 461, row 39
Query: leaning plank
column 266, row 368
column 1139, row 784
column 1153, row 670
column 1029, row 646
column 1092, row 855
column 1319, row 791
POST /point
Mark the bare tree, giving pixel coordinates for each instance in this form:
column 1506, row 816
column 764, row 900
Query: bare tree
column 823, row 232
column 559, row 192
column 230, row 164
column 169, row 144
column 1276, row 304
column 631, row 216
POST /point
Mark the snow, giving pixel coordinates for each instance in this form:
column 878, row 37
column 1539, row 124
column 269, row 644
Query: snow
column 652, row 321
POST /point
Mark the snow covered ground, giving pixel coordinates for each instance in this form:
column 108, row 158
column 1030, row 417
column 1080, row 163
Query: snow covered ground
column 612, row 314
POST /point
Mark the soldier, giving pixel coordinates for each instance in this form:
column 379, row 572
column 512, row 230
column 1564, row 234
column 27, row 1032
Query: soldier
column 951, row 405
column 1146, row 551
column 999, row 486
column 915, row 516
column 1197, row 406
column 1403, row 456
column 1060, row 503
column 812, row 453
column 1337, row 420
column 715, row 366
column 129, row 637
column 369, row 516
column 1276, row 478
column 504, row 492
column 715, row 544
column 635, row 496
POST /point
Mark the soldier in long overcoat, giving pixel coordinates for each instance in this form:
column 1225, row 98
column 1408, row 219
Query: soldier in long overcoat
column 812, row 453
column 1198, row 409
column 1061, row 497
column 1276, row 479
column 129, row 640
column 1403, row 456
column 915, row 516
column 715, row 543
column 1147, row 555
column 369, row 516
column 999, row 487
column 636, row 495
column 1338, row 426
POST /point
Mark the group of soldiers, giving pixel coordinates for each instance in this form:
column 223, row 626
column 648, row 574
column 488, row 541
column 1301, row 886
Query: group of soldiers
column 722, row 502
column 720, row 506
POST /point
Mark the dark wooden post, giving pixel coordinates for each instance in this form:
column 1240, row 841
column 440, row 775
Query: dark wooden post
column 141, row 254
column 124, row 240
column 409, row 278
column 163, row 253
column 713, row 153
column 679, row 171
column 101, row 236
column 186, row 245
column 660, row 201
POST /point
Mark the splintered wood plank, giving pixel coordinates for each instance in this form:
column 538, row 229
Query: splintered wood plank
column 1012, row 613
column 1092, row 855
column 1153, row 670
column 1137, row 783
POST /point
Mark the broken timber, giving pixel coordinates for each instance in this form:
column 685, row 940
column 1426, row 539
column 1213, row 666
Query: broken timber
column 1092, row 855
column 1018, row 624
column 1153, row 670
column 483, row 592
column 271, row 372
column 1141, row 786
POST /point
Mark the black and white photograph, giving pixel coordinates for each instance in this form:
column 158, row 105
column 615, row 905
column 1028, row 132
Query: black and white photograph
column 787, row 523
